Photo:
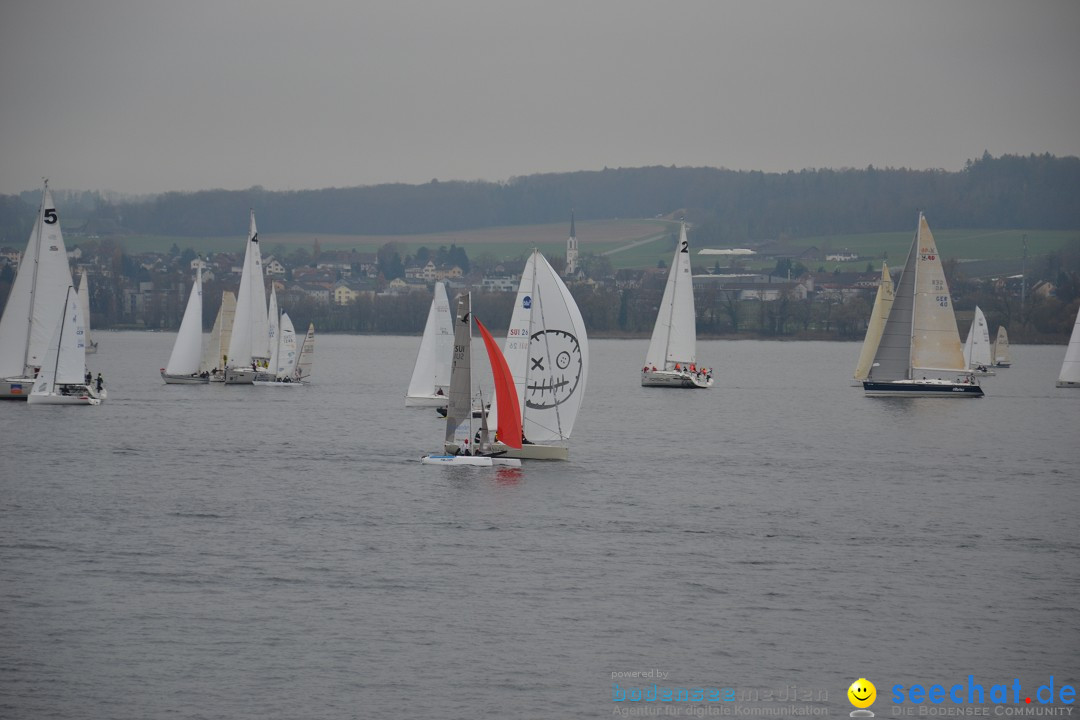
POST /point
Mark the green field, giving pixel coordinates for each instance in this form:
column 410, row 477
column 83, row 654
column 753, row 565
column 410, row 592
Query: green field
column 643, row 243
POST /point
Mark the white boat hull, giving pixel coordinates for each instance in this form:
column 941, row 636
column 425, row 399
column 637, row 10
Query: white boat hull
column 279, row 383
column 1068, row 384
column 674, row 378
column 530, row 451
column 921, row 388
column 183, row 379
column 239, row 376
column 77, row 395
column 426, row 401
column 471, row 460
column 15, row 388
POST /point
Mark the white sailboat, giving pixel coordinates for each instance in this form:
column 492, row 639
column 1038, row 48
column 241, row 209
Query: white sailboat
column 461, row 446
column 35, row 301
column 1002, row 359
column 284, row 369
column 62, row 380
column 920, row 351
column 547, row 351
column 217, row 347
column 672, row 357
column 977, row 350
column 878, row 315
column 1070, row 367
column 84, row 306
column 249, row 346
column 184, row 363
column 431, row 373
column 305, row 356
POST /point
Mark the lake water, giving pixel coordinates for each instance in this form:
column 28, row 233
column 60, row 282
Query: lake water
column 232, row 552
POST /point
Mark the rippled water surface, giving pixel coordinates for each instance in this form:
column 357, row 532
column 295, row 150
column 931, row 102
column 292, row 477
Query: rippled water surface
column 213, row 552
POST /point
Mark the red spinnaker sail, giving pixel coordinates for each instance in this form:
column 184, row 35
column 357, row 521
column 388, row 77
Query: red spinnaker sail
column 509, row 429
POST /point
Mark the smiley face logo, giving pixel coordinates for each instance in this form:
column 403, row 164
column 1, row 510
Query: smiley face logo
column 862, row 693
column 555, row 366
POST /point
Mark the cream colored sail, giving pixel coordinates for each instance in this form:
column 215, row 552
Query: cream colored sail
column 218, row 346
column 1001, row 347
column 935, row 339
column 883, row 302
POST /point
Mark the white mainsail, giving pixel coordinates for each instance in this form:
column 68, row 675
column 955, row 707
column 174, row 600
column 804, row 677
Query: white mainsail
column 273, row 319
column 188, row 349
column 84, row 307
column 1070, row 367
column 251, row 328
column 218, row 346
column 547, row 351
column 37, row 295
column 65, row 358
column 882, row 305
column 286, row 349
column 977, row 344
column 674, row 336
column 431, row 372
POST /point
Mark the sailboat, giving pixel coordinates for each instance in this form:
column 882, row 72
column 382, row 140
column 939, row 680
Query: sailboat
column 878, row 315
column 672, row 357
column 217, row 347
column 35, row 301
column 459, row 429
column 184, row 363
column 1001, row 348
column 62, row 380
column 249, row 346
column 977, row 350
column 84, row 306
column 547, row 351
column 920, row 346
column 284, row 368
column 305, row 356
column 1070, row 367
column 431, row 373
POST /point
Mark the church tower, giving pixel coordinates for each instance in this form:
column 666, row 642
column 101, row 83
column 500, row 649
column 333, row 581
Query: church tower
column 571, row 250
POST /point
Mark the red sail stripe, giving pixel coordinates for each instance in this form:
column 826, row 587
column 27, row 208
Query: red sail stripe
column 505, row 393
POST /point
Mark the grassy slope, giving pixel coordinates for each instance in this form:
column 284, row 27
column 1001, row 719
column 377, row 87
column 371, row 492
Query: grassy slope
column 649, row 241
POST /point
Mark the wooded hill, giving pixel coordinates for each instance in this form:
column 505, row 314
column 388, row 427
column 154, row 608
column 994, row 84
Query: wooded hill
column 727, row 206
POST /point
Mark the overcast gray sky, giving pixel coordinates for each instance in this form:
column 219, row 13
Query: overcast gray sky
column 147, row 96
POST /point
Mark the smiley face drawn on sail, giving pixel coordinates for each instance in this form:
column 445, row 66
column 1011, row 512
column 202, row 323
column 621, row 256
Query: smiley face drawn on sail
column 554, row 368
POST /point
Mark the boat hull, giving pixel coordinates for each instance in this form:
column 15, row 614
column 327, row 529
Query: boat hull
column 1068, row 384
column 470, row 460
column 530, row 451
column 921, row 388
column 183, row 379
column 672, row 378
column 239, row 376
column 77, row 395
column 15, row 388
column 1002, row 364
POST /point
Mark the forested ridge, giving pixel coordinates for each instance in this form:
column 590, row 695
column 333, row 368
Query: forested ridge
column 1011, row 191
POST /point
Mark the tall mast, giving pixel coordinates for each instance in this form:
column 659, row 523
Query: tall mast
column 914, row 302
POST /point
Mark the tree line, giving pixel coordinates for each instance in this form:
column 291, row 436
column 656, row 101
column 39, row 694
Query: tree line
column 1010, row 191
